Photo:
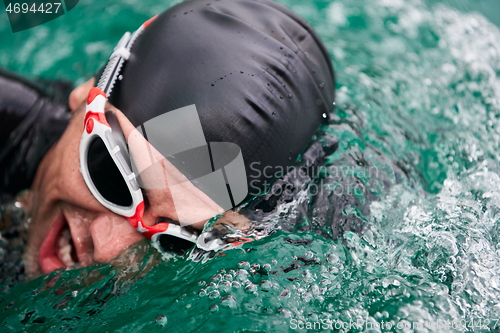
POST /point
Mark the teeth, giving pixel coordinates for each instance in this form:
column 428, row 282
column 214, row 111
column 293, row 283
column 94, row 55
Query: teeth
column 65, row 248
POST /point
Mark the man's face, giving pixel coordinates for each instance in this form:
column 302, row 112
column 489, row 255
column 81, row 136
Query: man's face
column 70, row 226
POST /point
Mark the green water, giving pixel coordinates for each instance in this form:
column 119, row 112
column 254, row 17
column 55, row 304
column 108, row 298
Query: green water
column 417, row 171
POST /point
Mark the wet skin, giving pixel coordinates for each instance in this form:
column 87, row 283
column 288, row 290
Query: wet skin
column 66, row 215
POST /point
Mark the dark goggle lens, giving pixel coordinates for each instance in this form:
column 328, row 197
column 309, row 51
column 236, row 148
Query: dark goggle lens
column 106, row 176
column 169, row 243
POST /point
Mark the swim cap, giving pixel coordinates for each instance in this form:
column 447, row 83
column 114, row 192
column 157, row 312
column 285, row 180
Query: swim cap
column 257, row 73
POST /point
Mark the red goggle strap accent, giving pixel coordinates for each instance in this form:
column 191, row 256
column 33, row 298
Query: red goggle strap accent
column 96, row 102
column 137, row 217
column 148, row 22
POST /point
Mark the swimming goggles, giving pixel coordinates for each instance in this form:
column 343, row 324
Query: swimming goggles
column 105, row 162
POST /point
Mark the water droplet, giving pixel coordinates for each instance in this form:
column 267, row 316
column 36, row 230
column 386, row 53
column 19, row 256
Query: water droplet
column 201, row 283
column 216, row 278
column 213, row 84
column 289, row 95
column 120, row 77
column 241, row 72
column 266, row 285
column 285, row 313
column 332, row 258
column 236, row 284
column 281, row 97
column 281, row 47
column 222, row 78
column 243, row 264
column 325, row 115
column 266, row 267
column 214, row 294
column 185, row 13
column 285, row 293
column 250, row 288
column 161, row 320
column 214, row 308
column 325, row 282
column 322, row 85
column 225, row 286
column 202, row 293
column 241, row 275
column 229, row 301
column 274, row 113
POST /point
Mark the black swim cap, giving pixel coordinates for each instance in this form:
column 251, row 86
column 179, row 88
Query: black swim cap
column 258, row 74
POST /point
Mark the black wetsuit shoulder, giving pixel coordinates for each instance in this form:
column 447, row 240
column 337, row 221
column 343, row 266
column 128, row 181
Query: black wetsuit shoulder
column 33, row 115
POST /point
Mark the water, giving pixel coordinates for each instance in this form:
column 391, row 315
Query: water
column 396, row 230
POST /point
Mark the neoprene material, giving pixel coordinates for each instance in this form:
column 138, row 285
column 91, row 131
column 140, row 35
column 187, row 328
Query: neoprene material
column 33, row 115
column 258, row 74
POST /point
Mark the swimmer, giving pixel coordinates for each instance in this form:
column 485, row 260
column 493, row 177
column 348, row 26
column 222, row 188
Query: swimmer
column 250, row 74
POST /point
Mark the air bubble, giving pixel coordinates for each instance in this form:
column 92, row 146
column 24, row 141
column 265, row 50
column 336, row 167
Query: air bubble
column 332, row 258
column 225, row 286
column 243, row 264
column 285, row 313
column 285, row 293
column 266, row 285
column 214, row 308
column 229, row 301
column 254, row 268
column 214, row 294
column 250, row 288
column 216, row 278
column 161, row 320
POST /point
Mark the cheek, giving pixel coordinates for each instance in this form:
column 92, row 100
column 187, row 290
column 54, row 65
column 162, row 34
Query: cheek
column 70, row 184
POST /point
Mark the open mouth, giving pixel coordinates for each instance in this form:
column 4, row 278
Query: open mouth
column 57, row 250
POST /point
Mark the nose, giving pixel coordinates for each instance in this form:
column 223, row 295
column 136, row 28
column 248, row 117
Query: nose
column 111, row 235
column 169, row 193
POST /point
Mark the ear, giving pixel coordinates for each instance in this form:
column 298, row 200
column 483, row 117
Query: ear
column 79, row 94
